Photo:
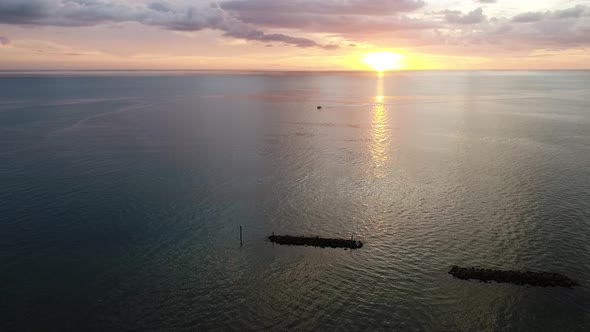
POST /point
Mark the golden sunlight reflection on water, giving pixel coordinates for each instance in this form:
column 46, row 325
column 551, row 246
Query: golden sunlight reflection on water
column 379, row 145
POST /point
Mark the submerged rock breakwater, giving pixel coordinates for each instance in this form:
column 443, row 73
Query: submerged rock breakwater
column 542, row 279
column 315, row 241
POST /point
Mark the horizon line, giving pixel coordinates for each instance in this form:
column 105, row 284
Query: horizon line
column 278, row 70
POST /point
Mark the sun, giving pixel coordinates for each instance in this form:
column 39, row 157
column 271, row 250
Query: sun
column 382, row 61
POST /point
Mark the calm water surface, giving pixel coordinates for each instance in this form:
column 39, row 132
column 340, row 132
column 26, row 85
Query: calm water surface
column 121, row 197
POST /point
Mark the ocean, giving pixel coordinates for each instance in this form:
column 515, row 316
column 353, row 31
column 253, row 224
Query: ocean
column 122, row 194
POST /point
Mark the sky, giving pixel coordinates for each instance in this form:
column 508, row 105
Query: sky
column 293, row 34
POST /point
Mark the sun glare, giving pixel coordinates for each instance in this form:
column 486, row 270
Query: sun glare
column 382, row 61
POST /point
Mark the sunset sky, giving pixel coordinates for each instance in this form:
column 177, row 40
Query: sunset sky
column 293, row 34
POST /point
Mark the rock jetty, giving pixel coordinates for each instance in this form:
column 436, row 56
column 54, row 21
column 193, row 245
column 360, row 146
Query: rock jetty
column 542, row 279
column 315, row 241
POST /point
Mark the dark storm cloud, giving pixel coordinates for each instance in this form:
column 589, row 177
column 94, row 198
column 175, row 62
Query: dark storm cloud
column 158, row 13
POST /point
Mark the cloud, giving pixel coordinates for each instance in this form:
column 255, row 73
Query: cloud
column 577, row 11
column 161, row 6
column 77, row 54
column 486, row 1
column 351, row 18
column 573, row 12
column 383, row 23
column 549, row 30
column 22, row 11
column 473, row 17
column 555, row 30
column 326, row 7
column 528, row 17
column 4, row 40
column 351, row 25
column 159, row 13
